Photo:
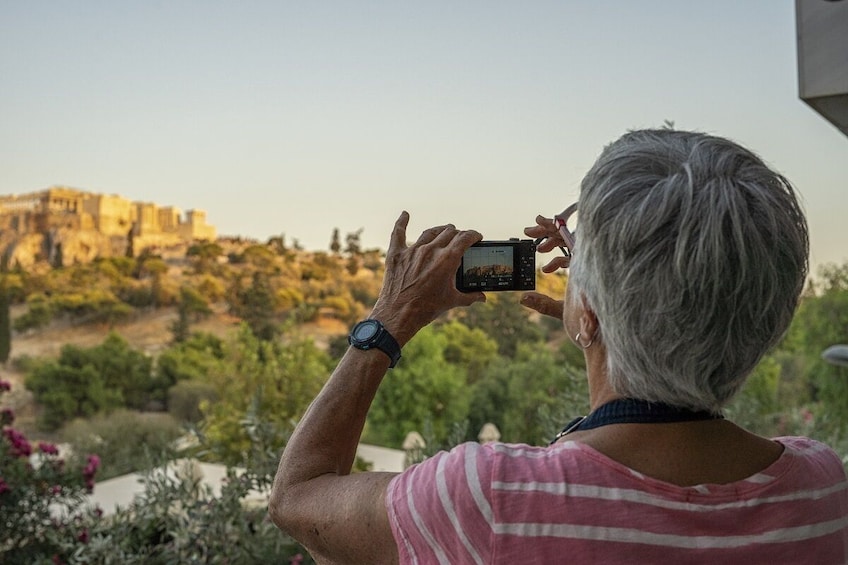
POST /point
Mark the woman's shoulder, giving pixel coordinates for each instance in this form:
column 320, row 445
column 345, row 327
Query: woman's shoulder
column 812, row 455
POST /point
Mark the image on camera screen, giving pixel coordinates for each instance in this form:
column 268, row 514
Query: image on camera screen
column 488, row 267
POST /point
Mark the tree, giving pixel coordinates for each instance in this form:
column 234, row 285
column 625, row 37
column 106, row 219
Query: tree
column 822, row 321
column 469, row 348
column 204, row 255
column 756, row 407
column 278, row 244
column 353, row 242
column 256, row 307
column 353, row 248
column 335, row 243
column 191, row 308
column 424, row 389
column 5, row 321
column 521, row 395
column 58, row 257
column 193, row 359
column 272, row 381
column 85, row 381
column 505, row 320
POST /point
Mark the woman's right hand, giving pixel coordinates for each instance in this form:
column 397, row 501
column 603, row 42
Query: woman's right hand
column 552, row 239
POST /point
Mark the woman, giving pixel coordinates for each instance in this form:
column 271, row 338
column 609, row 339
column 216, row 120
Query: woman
column 686, row 268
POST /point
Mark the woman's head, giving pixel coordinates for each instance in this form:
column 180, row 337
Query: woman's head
column 692, row 253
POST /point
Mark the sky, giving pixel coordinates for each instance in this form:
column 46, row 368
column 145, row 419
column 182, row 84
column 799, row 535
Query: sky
column 295, row 118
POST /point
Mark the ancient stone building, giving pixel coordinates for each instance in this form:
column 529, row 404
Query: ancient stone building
column 96, row 224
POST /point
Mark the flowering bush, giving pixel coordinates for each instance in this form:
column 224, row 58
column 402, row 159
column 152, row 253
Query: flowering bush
column 45, row 518
column 177, row 519
column 41, row 513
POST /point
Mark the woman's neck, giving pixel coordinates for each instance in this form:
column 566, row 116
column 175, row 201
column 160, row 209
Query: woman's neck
column 600, row 391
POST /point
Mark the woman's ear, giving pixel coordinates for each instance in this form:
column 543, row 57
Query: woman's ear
column 589, row 324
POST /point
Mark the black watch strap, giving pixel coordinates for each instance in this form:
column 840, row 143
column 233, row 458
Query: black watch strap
column 371, row 334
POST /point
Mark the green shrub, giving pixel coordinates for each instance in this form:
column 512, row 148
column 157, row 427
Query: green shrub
column 185, row 398
column 126, row 441
column 85, row 381
column 38, row 314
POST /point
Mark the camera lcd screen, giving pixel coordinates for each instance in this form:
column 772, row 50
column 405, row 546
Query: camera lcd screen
column 498, row 265
column 488, row 268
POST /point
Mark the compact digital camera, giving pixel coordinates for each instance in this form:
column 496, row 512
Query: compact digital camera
column 498, row 265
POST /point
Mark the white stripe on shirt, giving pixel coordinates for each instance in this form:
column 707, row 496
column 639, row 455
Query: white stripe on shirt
column 632, row 535
column 642, row 497
column 447, row 504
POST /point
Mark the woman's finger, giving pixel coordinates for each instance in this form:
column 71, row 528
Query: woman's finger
column 542, row 304
column 556, row 263
column 397, row 241
column 430, row 234
column 444, row 237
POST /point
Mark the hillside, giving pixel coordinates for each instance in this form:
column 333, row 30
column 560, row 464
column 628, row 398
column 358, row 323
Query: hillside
column 140, row 299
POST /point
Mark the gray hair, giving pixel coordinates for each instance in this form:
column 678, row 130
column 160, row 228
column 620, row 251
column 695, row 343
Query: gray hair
column 692, row 253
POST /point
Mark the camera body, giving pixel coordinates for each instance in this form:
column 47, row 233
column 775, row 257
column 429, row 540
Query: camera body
column 498, row 265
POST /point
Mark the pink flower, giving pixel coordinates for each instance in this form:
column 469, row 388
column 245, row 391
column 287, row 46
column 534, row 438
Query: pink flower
column 92, row 464
column 296, row 560
column 89, row 471
column 19, row 443
column 48, row 448
column 4, row 486
column 5, row 386
column 83, row 537
column 55, row 490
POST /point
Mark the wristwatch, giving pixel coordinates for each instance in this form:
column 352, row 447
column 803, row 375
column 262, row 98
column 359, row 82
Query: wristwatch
column 369, row 334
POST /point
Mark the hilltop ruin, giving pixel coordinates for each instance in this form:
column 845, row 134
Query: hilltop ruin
column 62, row 225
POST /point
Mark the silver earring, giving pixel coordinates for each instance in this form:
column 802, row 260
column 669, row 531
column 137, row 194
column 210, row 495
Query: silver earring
column 587, row 346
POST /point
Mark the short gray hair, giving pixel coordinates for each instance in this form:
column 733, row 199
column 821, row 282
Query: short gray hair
column 692, row 252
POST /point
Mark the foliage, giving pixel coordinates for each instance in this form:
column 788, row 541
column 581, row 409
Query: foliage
column 125, row 441
column 423, row 387
column 92, row 305
column 194, row 358
column 41, row 515
column 261, row 257
column 505, row 320
column 204, row 256
column 186, row 397
column 212, row 289
column 5, row 321
column 83, row 382
column 38, row 315
column 335, row 241
column 177, row 519
column 822, row 321
column 44, row 517
column 192, row 307
column 517, row 392
column 756, row 406
column 469, row 348
column 255, row 305
column 277, row 380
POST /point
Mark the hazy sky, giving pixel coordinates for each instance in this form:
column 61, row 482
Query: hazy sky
column 298, row 117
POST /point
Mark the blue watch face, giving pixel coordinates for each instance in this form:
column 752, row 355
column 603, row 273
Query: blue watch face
column 365, row 331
